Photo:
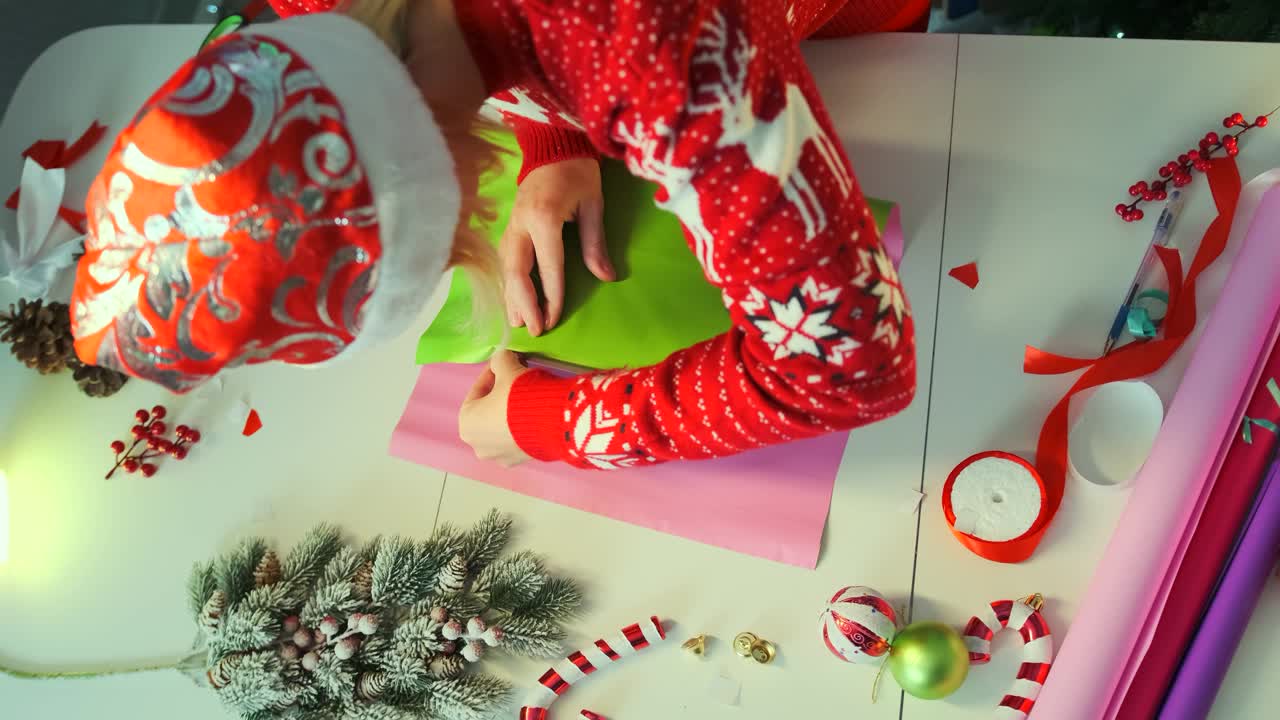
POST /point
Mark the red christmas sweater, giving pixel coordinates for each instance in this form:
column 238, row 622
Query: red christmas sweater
column 546, row 138
column 709, row 101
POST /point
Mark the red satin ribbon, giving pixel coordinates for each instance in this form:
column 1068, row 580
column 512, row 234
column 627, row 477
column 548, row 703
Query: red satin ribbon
column 50, row 154
column 1128, row 362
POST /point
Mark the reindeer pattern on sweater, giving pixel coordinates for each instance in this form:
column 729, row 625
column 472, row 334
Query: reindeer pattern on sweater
column 711, row 101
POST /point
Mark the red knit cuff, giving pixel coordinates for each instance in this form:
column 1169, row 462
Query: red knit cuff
column 867, row 16
column 914, row 17
column 535, row 411
column 545, row 144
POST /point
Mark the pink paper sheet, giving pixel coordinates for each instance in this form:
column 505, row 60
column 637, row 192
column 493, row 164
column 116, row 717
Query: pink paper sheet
column 1117, row 618
column 894, row 240
column 717, row 502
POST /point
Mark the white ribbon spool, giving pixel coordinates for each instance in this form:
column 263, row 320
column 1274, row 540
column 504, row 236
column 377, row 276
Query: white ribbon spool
column 1113, row 435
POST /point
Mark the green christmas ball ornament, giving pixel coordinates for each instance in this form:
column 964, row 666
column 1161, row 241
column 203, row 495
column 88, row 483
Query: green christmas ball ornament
column 929, row 660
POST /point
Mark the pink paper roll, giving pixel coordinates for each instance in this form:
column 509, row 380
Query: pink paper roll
column 1117, row 618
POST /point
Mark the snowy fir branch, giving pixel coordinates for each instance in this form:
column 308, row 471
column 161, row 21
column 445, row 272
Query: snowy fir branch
column 532, row 637
column 342, row 568
column 470, row 697
column 486, row 541
column 308, row 559
column 203, row 583
column 558, row 600
column 235, row 571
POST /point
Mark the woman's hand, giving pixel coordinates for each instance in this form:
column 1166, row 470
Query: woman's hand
column 482, row 421
column 549, row 197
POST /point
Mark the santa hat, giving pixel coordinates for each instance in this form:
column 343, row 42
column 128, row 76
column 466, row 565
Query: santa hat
column 286, row 195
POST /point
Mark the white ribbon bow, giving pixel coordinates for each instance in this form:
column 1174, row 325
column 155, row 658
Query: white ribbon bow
column 33, row 260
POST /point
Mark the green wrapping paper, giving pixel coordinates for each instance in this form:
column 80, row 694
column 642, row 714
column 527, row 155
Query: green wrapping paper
column 660, row 303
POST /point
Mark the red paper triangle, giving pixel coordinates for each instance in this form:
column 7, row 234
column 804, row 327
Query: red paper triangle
column 967, row 274
column 50, row 154
column 253, row 424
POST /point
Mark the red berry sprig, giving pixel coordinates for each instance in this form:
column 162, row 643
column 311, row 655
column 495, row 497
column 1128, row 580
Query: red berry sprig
column 1178, row 172
column 149, row 433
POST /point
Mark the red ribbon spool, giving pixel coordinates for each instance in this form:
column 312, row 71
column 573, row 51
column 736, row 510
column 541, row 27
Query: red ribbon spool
column 1008, row 551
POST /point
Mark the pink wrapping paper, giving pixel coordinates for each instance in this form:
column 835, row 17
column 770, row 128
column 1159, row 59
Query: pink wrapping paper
column 717, row 502
column 1118, row 616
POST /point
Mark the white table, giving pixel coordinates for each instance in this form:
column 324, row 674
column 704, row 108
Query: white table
column 1021, row 181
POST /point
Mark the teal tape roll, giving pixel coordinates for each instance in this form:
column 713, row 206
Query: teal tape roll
column 1139, row 321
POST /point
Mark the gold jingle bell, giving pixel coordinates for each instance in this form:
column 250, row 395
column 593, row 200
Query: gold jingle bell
column 743, row 643
column 763, row 651
column 696, row 645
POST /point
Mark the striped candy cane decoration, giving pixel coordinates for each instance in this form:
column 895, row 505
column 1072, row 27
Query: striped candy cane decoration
column 1037, row 649
column 560, row 677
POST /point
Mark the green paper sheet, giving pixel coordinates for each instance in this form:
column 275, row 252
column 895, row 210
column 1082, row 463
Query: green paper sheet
column 660, row 303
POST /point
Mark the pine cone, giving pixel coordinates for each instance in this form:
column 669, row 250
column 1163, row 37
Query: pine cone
column 292, row 672
column 40, row 335
column 452, row 576
column 362, row 581
column 446, row 667
column 220, row 674
column 369, row 686
column 268, row 570
column 95, row 381
column 211, row 615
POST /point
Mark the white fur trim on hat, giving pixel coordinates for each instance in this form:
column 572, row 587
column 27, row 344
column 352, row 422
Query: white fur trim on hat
column 405, row 159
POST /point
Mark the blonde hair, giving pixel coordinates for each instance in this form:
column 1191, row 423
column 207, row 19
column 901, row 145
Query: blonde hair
column 386, row 18
column 473, row 157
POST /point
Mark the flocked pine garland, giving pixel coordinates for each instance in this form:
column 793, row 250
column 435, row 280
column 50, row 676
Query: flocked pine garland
column 384, row 632
column 393, row 630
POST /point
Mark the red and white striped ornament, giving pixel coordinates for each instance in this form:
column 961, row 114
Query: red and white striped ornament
column 1037, row 650
column 858, row 625
column 578, row 665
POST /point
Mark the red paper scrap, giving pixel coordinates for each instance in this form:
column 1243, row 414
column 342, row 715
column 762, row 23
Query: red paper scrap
column 967, row 274
column 54, row 154
column 253, row 424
